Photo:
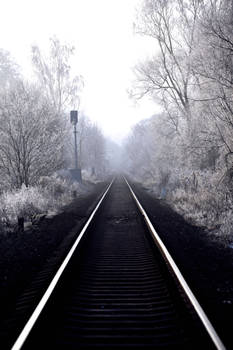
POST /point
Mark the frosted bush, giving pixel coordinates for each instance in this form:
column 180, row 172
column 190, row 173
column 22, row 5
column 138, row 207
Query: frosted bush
column 60, row 189
column 55, row 185
column 51, row 194
column 88, row 176
column 201, row 197
column 209, row 207
column 24, row 202
column 226, row 228
column 201, row 207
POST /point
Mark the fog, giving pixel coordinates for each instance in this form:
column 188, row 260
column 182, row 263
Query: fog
column 152, row 82
column 106, row 50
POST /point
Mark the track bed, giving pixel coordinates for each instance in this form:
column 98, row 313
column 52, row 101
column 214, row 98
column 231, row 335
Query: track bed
column 116, row 291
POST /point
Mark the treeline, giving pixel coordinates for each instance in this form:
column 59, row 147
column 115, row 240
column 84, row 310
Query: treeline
column 35, row 132
column 188, row 148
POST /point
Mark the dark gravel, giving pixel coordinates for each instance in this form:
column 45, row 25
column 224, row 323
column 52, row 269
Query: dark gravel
column 206, row 264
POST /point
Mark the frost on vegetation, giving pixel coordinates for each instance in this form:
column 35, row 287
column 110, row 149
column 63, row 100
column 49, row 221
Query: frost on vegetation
column 199, row 196
column 50, row 195
column 90, row 176
column 60, row 189
column 184, row 153
column 24, row 202
column 208, row 204
column 37, row 137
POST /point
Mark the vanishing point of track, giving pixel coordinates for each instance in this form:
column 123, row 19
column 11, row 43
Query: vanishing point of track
column 118, row 288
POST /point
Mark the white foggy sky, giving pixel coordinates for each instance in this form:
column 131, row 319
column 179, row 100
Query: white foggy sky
column 106, row 50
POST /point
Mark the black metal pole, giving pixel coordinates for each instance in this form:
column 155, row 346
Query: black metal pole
column 75, row 147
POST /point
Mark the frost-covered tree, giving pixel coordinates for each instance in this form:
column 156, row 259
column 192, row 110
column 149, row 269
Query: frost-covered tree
column 190, row 74
column 9, row 70
column 31, row 136
column 95, row 152
column 152, row 149
column 168, row 76
column 214, row 69
column 90, row 144
column 59, row 86
column 116, row 159
column 54, row 75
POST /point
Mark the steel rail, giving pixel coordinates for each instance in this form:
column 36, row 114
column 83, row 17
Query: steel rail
column 36, row 313
column 203, row 317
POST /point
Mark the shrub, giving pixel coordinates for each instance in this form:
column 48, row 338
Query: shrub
column 202, row 198
column 208, row 206
column 25, row 202
column 52, row 193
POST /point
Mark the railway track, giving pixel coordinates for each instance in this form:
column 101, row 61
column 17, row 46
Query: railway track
column 118, row 289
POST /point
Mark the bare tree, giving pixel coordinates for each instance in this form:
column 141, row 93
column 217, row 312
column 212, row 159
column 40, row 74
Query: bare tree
column 95, row 150
column 54, row 74
column 214, row 68
column 191, row 73
column 9, row 70
column 31, row 137
column 91, row 146
column 168, row 75
column 151, row 149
